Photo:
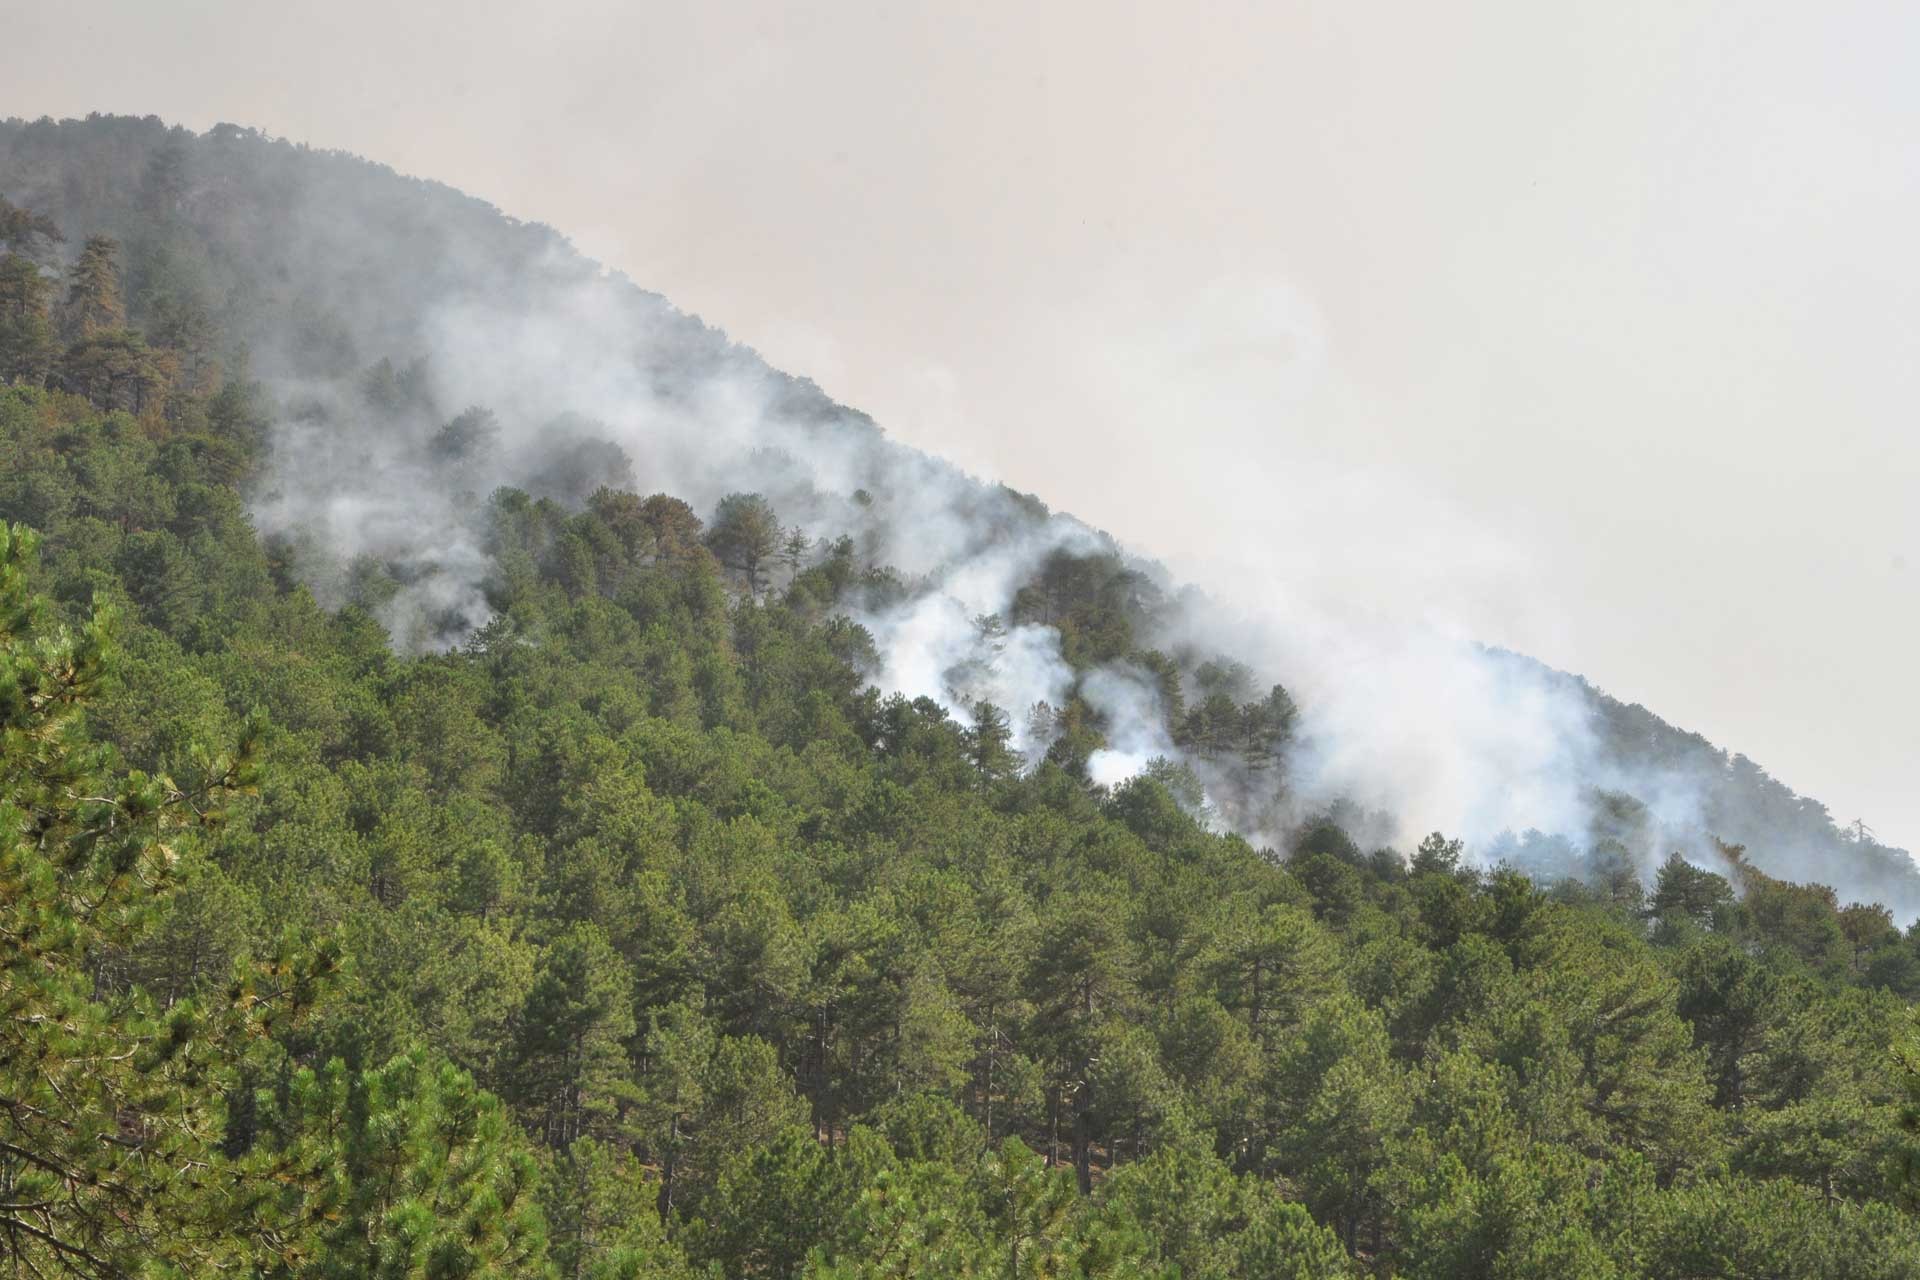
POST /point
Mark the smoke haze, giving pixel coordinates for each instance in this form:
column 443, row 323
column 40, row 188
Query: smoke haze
column 423, row 352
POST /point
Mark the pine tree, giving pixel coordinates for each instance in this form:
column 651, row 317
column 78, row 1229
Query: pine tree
column 94, row 304
column 402, row 1172
column 568, row 1058
column 116, row 369
column 989, row 744
column 112, row 1117
column 602, row 1221
column 26, row 330
column 745, row 534
column 24, row 232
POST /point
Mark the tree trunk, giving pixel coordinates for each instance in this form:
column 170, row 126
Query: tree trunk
column 993, row 1043
column 665, row 1198
column 1083, row 1139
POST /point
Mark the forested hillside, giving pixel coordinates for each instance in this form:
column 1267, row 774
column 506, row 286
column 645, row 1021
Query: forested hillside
column 443, row 833
column 504, row 359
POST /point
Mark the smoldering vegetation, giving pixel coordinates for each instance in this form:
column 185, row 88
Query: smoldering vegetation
column 436, row 367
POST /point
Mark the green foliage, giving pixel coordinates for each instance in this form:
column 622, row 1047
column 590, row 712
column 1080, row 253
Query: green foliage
column 111, row 1101
column 27, row 346
column 745, row 534
column 406, row 1171
column 636, row 936
column 566, row 1057
column 94, row 304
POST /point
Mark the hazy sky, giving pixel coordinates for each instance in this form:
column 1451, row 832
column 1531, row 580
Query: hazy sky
column 1590, row 329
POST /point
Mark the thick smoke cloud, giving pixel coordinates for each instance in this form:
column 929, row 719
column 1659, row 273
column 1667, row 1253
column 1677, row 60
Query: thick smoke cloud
column 1406, row 729
column 377, row 489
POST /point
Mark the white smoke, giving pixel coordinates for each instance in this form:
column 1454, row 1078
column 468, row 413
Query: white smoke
column 1405, row 725
column 1129, row 702
column 1408, row 721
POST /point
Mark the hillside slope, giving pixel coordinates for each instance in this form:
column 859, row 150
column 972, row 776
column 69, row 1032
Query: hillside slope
column 327, row 265
column 499, row 782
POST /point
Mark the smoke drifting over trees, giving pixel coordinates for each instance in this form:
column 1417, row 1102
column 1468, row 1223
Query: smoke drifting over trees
column 497, row 781
column 428, row 355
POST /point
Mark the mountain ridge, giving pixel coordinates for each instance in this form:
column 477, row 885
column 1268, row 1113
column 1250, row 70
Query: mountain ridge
column 317, row 305
column 497, row 782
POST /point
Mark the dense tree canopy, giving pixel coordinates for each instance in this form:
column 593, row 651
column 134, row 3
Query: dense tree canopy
column 635, row 934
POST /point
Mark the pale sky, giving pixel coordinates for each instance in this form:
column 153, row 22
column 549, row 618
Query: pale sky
column 1592, row 330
